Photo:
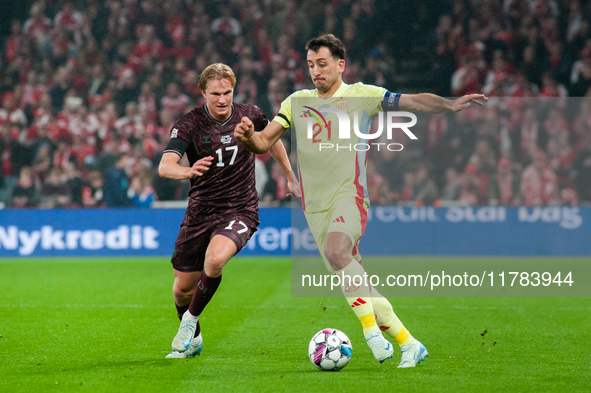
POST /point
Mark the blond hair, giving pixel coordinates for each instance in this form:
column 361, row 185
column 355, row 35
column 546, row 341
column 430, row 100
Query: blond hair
column 216, row 71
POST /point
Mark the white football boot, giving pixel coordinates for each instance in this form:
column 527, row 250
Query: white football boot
column 194, row 349
column 184, row 337
column 412, row 354
column 381, row 348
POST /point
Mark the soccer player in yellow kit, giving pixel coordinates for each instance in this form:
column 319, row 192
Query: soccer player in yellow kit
column 334, row 191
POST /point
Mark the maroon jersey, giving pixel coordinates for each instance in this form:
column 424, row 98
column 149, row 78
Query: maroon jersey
column 229, row 185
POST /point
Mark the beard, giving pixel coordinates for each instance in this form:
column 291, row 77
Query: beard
column 322, row 85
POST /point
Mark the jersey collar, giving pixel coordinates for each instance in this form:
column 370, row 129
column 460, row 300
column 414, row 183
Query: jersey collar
column 337, row 93
column 216, row 121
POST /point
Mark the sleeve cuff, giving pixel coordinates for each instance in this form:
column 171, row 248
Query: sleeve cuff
column 282, row 119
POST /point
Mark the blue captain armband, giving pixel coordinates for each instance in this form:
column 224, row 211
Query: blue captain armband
column 390, row 101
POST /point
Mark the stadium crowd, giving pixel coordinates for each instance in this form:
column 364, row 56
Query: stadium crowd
column 89, row 90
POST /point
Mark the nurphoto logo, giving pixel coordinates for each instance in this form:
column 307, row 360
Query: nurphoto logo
column 317, row 123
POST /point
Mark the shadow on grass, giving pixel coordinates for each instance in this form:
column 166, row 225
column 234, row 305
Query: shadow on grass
column 111, row 367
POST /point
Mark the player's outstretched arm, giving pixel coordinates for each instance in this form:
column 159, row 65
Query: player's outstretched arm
column 433, row 104
column 279, row 154
column 258, row 142
column 169, row 167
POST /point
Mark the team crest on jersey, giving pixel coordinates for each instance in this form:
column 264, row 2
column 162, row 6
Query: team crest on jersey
column 206, row 142
column 175, row 132
column 343, row 105
column 226, row 139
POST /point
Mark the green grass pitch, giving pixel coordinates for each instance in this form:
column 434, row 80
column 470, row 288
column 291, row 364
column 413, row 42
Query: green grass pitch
column 105, row 325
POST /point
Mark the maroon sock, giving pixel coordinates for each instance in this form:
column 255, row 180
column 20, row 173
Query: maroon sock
column 206, row 287
column 180, row 310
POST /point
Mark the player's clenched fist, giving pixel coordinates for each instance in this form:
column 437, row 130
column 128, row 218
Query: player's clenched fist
column 200, row 167
column 244, row 130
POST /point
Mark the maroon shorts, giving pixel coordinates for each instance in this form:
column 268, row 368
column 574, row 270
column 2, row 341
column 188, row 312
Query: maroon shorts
column 193, row 240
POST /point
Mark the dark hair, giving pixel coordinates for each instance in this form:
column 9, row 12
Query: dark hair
column 334, row 45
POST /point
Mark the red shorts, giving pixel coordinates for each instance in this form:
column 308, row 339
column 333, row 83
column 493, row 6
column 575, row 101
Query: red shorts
column 193, row 240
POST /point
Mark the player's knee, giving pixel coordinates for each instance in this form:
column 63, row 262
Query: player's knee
column 337, row 257
column 214, row 265
column 181, row 293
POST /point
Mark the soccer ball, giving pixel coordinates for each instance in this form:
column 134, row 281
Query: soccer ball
column 330, row 350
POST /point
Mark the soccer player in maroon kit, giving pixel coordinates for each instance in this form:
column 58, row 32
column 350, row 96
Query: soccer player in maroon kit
column 223, row 202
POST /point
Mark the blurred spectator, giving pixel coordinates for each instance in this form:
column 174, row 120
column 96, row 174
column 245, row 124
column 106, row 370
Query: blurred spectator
column 568, row 197
column 374, row 181
column 386, row 196
column 539, row 185
column 582, row 168
column 11, row 113
column 530, row 135
column 108, row 156
column 62, row 153
column 93, row 193
column 276, row 187
column 73, row 180
column 391, row 169
column 459, row 141
column 246, row 90
column 117, row 184
column 68, row 17
column 373, row 74
column 453, row 185
column 43, row 162
column 504, row 186
column 38, row 25
column 530, row 65
column 409, row 188
column 138, row 162
column 12, row 153
column 147, row 101
column 129, row 90
column 126, row 126
column 497, row 77
column 550, row 88
column 226, row 24
column 470, row 192
column 149, row 45
column 580, row 77
column 55, row 192
column 33, row 91
column 427, row 190
column 98, row 81
column 560, row 157
column 466, row 79
column 62, row 82
column 141, row 192
column 14, row 42
column 486, row 157
column 25, row 193
column 174, row 101
column 555, row 124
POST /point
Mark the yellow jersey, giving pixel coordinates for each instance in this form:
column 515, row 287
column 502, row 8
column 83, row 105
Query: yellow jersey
column 327, row 173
